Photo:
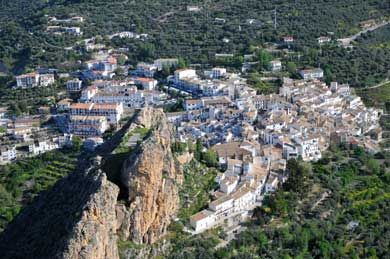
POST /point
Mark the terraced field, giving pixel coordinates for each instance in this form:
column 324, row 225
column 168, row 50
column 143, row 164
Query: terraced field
column 20, row 182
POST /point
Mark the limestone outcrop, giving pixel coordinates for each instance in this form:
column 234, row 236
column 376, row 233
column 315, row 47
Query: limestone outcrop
column 75, row 219
column 81, row 217
column 151, row 177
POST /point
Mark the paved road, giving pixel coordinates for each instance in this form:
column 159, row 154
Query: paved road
column 386, row 81
column 348, row 40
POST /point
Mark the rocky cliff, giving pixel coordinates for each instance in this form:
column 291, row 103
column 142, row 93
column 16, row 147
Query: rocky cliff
column 75, row 219
column 151, row 177
column 81, row 217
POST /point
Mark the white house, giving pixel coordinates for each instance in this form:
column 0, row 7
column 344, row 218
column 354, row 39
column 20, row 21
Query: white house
column 193, row 8
column 222, row 205
column 88, row 93
column 73, row 30
column 290, row 151
column 229, row 183
column 46, row 79
column 145, row 69
column 181, row 74
column 276, row 65
column 8, row 154
column 41, row 146
column 217, row 72
column 309, row 74
column 165, row 62
column 308, row 148
column 288, row 39
column 190, row 105
column 202, row 220
column 146, row 83
column 323, row 40
column 272, row 183
column 3, row 112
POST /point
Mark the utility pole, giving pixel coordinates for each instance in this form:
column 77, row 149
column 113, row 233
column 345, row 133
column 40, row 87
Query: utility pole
column 275, row 19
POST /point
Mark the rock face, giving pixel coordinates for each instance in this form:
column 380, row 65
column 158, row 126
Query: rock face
column 80, row 217
column 151, row 177
column 75, row 219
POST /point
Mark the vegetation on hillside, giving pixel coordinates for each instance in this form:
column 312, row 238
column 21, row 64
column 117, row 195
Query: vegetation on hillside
column 20, row 182
column 335, row 208
column 195, row 36
column 194, row 193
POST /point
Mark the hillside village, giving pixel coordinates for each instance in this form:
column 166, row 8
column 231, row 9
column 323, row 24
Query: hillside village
column 253, row 134
column 202, row 129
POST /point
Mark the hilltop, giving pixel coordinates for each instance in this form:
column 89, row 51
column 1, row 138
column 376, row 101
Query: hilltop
column 173, row 29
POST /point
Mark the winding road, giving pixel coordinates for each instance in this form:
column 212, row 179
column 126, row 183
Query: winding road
column 347, row 41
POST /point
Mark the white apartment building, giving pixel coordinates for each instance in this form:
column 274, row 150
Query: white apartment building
column 28, row 80
column 88, row 125
column 222, row 205
column 74, row 85
column 191, row 105
column 112, row 111
column 244, row 199
column 34, row 79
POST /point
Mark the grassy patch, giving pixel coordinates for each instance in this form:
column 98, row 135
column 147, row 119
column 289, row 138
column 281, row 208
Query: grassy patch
column 123, row 147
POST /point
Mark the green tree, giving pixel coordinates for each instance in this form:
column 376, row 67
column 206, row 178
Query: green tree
column 298, row 174
column 264, row 59
column 121, row 59
column 198, row 150
column 182, row 63
column 210, row 158
column 77, row 143
column 373, row 166
column 291, row 67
